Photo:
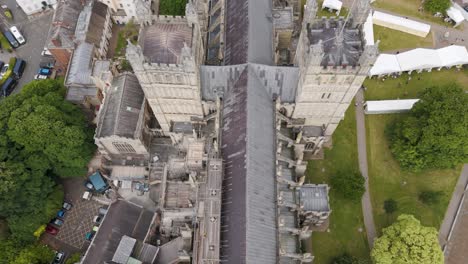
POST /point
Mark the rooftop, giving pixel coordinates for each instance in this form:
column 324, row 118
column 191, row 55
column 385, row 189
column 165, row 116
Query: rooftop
column 341, row 44
column 122, row 219
column 91, row 23
column 314, row 197
column 163, row 42
column 121, row 112
column 80, row 69
column 63, row 24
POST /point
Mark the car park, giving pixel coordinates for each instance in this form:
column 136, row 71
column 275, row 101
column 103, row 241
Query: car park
column 57, row 222
column 40, row 77
column 59, row 258
column 44, row 71
column 50, row 229
column 67, row 206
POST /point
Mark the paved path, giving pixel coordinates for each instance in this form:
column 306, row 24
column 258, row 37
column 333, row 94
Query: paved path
column 453, row 206
column 362, row 155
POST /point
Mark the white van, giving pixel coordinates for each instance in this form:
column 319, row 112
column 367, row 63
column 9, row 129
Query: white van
column 17, row 35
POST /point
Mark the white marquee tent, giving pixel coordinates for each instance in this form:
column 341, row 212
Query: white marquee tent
column 389, row 106
column 332, row 4
column 369, row 31
column 401, row 24
column 455, row 15
column 420, row 59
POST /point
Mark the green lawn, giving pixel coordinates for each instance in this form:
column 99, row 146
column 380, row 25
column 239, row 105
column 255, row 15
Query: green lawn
column 408, row 8
column 387, row 180
column 397, row 88
column 172, row 7
column 346, row 217
column 393, row 40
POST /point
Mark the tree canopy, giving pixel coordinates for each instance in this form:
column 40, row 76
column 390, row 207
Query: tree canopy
column 346, row 258
column 407, row 242
column 349, row 184
column 435, row 6
column 435, row 132
column 172, row 7
column 42, row 137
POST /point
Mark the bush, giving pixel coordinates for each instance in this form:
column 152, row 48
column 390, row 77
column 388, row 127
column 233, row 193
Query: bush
column 4, row 42
column 430, row 197
column 74, row 258
column 346, row 259
column 349, row 185
column 390, row 206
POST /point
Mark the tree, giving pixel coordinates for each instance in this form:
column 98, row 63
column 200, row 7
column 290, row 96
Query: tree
column 435, row 6
column 407, row 242
column 172, row 7
column 44, row 131
column 35, row 254
column 435, row 132
column 349, row 185
column 390, row 206
column 430, row 197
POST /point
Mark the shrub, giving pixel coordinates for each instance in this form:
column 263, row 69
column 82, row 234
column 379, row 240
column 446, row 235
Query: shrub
column 390, row 206
column 430, row 197
column 435, row 6
column 172, row 7
column 349, row 185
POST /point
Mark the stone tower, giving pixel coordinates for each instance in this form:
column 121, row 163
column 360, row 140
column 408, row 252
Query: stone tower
column 333, row 62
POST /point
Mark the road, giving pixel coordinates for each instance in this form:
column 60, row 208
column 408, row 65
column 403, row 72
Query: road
column 362, row 156
column 35, row 31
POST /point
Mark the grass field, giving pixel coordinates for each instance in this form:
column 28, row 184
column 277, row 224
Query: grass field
column 397, row 88
column 346, row 217
column 387, row 180
column 394, row 40
column 408, row 8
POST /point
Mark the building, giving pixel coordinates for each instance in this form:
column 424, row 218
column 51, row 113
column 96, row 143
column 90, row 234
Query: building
column 94, row 26
column 31, row 7
column 125, row 10
column 60, row 41
column 120, row 134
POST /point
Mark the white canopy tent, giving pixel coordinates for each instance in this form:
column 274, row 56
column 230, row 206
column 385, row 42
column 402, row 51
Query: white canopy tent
column 455, row 15
column 389, row 106
column 369, row 31
column 401, row 24
column 332, row 4
column 420, row 59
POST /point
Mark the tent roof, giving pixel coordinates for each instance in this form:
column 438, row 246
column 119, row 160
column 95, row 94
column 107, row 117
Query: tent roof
column 455, row 15
column 369, row 31
column 419, row 59
column 332, row 4
column 402, row 22
column 390, row 105
column 385, row 64
column 453, row 55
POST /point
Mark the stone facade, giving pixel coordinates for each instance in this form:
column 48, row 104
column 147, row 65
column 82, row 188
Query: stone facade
column 125, row 10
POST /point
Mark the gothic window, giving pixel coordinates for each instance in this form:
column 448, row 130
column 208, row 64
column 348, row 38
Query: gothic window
column 123, row 147
column 323, row 95
column 309, row 146
column 328, row 97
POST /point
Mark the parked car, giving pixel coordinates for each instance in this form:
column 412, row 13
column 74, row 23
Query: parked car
column 57, row 221
column 17, row 34
column 97, row 219
column 87, row 195
column 8, row 87
column 51, row 230
column 18, row 69
column 59, row 258
column 102, row 211
column 61, row 213
column 89, row 236
column 40, row 77
column 44, row 71
column 67, row 206
column 10, row 39
column 89, row 185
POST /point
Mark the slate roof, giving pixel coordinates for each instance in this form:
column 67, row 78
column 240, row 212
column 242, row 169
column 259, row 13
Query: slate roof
column 80, row 69
column 281, row 81
column 163, row 43
column 91, row 23
column 122, row 219
column 249, row 32
column 340, row 49
column 249, row 232
column 64, row 23
column 120, row 114
column 314, row 197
